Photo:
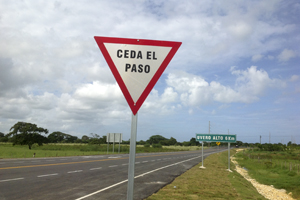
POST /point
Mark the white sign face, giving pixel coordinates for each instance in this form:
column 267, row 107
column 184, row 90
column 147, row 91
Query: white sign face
column 137, row 64
column 114, row 137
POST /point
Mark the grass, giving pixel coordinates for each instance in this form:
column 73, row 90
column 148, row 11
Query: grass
column 280, row 169
column 184, row 148
column 7, row 150
column 214, row 182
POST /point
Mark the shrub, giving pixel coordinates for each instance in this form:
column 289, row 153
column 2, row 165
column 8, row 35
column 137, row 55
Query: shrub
column 146, row 145
column 156, row 145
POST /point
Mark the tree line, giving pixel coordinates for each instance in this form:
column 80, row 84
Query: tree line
column 24, row 133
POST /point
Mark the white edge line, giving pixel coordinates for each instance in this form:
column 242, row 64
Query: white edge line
column 15, row 179
column 136, row 177
column 47, row 175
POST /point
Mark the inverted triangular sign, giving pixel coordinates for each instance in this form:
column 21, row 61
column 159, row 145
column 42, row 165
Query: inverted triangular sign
column 136, row 64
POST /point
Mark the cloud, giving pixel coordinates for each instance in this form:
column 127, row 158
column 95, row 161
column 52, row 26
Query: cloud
column 250, row 85
column 294, row 78
column 257, row 57
column 286, row 55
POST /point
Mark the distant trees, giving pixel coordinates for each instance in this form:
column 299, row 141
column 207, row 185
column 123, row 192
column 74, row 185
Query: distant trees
column 27, row 134
column 59, row 137
column 3, row 137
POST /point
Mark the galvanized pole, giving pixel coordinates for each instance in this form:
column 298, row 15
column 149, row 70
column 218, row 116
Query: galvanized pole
column 228, row 155
column 202, row 157
column 114, row 143
column 202, row 153
column 130, row 186
column 108, row 142
column 119, row 142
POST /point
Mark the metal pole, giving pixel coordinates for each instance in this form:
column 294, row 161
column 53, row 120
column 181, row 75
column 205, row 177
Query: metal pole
column 202, row 156
column 119, row 141
column 132, row 157
column 202, row 153
column 108, row 142
column 228, row 155
column 114, row 143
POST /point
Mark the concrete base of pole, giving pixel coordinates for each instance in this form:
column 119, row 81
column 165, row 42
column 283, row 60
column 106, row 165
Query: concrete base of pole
column 229, row 170
column 201, row 167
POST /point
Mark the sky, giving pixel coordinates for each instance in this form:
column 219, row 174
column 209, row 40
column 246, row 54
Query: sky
column 237, row 70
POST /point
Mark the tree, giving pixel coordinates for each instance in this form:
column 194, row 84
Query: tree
column 193, row 142
column 172, row 141
column 3, row 137
column 56, row 137
column 85, row 139
column 28, row 134
column 155, row 139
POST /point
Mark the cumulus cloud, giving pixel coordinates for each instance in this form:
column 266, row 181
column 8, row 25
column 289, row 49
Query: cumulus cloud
column 250, row 85
column 286, row 55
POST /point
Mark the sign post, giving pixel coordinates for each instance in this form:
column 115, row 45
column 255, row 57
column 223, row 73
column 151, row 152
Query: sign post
column 136, row 64
column 216, row 138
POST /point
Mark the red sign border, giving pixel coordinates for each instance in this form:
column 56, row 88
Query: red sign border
column 136, row 106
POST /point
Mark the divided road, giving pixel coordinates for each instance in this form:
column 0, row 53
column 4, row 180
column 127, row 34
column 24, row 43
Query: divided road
column 92, row 177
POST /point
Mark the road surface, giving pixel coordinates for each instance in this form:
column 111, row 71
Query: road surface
column 92, row 177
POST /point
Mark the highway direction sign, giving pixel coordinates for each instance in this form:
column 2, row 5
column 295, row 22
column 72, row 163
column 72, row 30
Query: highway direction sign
column 216, row 138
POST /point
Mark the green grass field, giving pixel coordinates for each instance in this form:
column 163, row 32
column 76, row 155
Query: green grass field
column 214, row 182
column 280, row 169
column 7, row 150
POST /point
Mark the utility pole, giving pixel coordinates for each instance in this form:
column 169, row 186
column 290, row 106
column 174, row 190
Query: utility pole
column 208, row 144
column 260, row 139
column 269, row 138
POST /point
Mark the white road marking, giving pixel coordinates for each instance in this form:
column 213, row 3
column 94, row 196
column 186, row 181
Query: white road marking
column 113, row 166
column 125, row 164
column 50, row 160
column 136, row 177
column 152, row 160
column 47, row 175
column 15, row 179
column 74, row 171
column 96, row 168
column 137, row 163
column 144, row 161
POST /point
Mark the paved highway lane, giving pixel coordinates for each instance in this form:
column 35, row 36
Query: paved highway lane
column 92, row 177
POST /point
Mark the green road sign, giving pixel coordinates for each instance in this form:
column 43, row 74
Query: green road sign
column 215, row 138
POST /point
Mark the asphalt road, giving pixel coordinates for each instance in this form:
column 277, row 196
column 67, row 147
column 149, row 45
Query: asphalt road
column 92, row 177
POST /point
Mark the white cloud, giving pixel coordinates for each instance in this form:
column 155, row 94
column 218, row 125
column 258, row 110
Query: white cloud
column 257, row 57
column 250, row 85
column 286, row 55
column 294, row 78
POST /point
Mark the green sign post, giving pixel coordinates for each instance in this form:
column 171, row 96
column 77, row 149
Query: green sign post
column 216, row 138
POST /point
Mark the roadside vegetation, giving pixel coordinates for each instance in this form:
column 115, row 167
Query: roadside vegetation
column 7, row 150
column 280, row 168
column 213, row 182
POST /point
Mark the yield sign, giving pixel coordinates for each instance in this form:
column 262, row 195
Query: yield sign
column 136, row 64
